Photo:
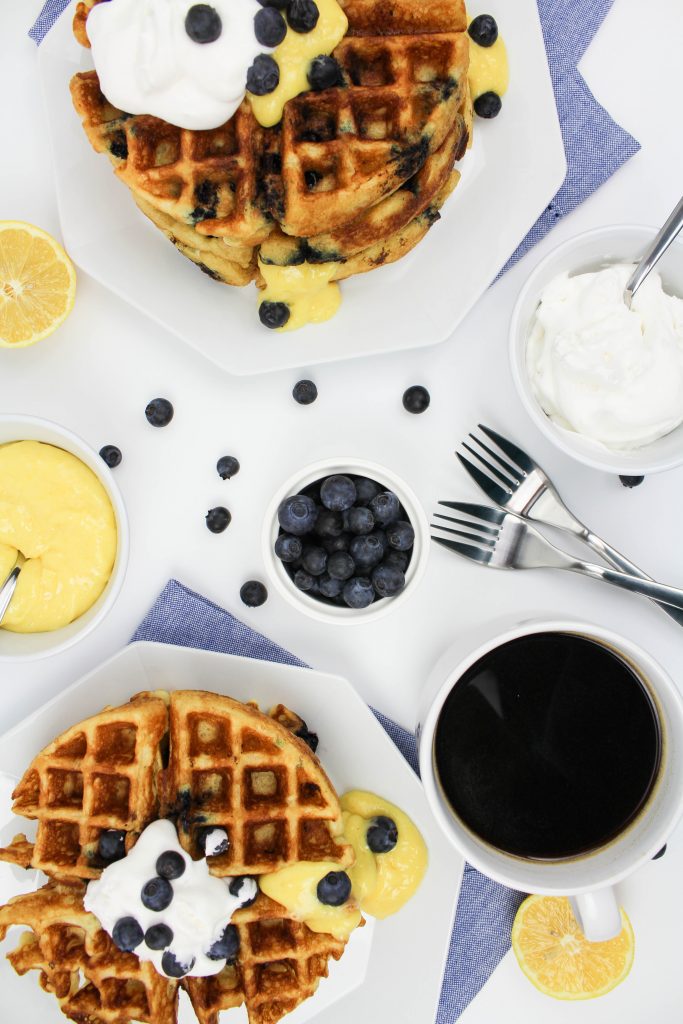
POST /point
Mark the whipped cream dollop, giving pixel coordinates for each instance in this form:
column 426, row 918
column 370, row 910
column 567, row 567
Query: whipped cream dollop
column 197, row 915
column 147, row 62
column 610, row 373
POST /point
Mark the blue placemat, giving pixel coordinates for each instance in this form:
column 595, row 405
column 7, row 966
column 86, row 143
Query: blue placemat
column 481, row 935
column 594, row 144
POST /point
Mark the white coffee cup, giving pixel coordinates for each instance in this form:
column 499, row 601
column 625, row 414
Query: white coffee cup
column 587, row 879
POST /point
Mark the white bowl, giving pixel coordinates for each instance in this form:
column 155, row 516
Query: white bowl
column 311, row 605
column 593, row 250
column 15, row 646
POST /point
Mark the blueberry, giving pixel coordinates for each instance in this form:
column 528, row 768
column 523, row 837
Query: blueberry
column 631, row 481
column 334, row 889
column 111, row 844
column 358, row 592
column 158, row 936
column 127, row 934
column 170, row 864
column 171, row 966
column 385, row 507
column 157, row 894
column 263, row 77
column 331, row 587
column 203, row 24
column 365, row 490
column 111, row 455
column 308, row 737
column 235, row 888
column 270, row 28
column 387, row 580
column 328, row 523
column 297, row 514
column 273, row 314
column 227, row 947
column 416, row 399
column 288, row 547
column 218, row 519
column 304, row 581
column 304, row 392
column 159, row 412
column 227, row 467
column 488, row 105
column 396, row 559
column 340, row 543
column 400, row 535
column 360, row 520
column 338, row 492
column 280, row 4
column 253, row 594
column 366, row 551
column 382, row 835
column 214, row 839
column 483, row 30
column 314, row 560
column 324, row 73
column 341, row 566
column 302, row 15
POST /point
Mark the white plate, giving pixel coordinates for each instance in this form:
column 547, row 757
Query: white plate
column 515, row 167
column 392, row 969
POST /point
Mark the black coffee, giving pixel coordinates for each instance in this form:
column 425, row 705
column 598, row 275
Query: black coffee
column 548, row 746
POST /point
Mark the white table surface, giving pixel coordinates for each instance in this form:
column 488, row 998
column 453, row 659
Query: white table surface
column 97, row 373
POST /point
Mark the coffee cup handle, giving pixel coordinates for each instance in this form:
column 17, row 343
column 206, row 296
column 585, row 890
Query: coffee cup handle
column 597, row 914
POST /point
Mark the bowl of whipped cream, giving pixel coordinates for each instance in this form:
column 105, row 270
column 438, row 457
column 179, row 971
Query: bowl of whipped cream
column 604, row 382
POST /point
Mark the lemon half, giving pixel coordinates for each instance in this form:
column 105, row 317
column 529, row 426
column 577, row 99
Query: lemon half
column 37, row 284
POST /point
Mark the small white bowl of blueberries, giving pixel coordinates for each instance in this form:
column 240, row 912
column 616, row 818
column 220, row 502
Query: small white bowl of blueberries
column 345, row 540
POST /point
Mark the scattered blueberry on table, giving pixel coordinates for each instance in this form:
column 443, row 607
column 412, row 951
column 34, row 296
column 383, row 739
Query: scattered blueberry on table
column 416, row 399
column 111, row 455
column 227, row 467
column 218, row 519
column 631, row 481
column 253, row 594
column 304, row 392
column 159, row 412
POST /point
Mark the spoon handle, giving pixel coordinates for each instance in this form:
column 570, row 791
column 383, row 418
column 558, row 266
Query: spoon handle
column 7, row 590
column 654, row 254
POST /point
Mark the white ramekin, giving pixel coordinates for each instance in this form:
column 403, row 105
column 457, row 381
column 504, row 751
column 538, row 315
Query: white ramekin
column 19, row 646
column 311, row 605
column 593, row 250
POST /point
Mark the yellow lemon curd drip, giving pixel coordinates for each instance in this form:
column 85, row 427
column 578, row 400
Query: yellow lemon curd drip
column 307, row 290
column 382, row 882
column 488, row 70
column 293, row 56
column 57, row 522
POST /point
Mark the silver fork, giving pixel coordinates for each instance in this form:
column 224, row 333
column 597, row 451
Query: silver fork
column 515, row 482
column 504, row 540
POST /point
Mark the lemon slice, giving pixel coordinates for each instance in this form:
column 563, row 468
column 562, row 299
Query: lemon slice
column 557, row 958
column 37, row 284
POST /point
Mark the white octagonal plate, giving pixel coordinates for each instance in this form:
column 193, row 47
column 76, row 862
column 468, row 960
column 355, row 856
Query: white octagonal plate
column 515, row 167
column 392, row 969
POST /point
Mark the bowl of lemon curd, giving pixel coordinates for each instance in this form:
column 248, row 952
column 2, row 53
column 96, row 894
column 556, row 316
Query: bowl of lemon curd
column 63, row 521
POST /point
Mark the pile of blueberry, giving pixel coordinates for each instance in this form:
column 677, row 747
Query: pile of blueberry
column 345, row 540
column 270, row 28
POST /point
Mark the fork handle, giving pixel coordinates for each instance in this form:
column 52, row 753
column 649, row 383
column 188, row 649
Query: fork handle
column 648, row 588
column 619, row 561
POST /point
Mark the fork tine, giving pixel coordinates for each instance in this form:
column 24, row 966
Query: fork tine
column 510, row 470
column 492, row 531
column 519, row 456
column 485, row 512
column 489, row 486
column 475, row 554
column 470, row 537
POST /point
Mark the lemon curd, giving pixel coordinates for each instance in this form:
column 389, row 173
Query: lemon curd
column 305, row 288
column 57, row 523
column 293, row 56
column 488, row 70
column 295, row 888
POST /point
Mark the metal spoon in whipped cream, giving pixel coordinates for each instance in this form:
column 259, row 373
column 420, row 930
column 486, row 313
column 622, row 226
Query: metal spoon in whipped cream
column 661, row 243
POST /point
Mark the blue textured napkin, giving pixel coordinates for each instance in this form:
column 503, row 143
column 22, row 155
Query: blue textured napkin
column 594, row 144
column 485, row 910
